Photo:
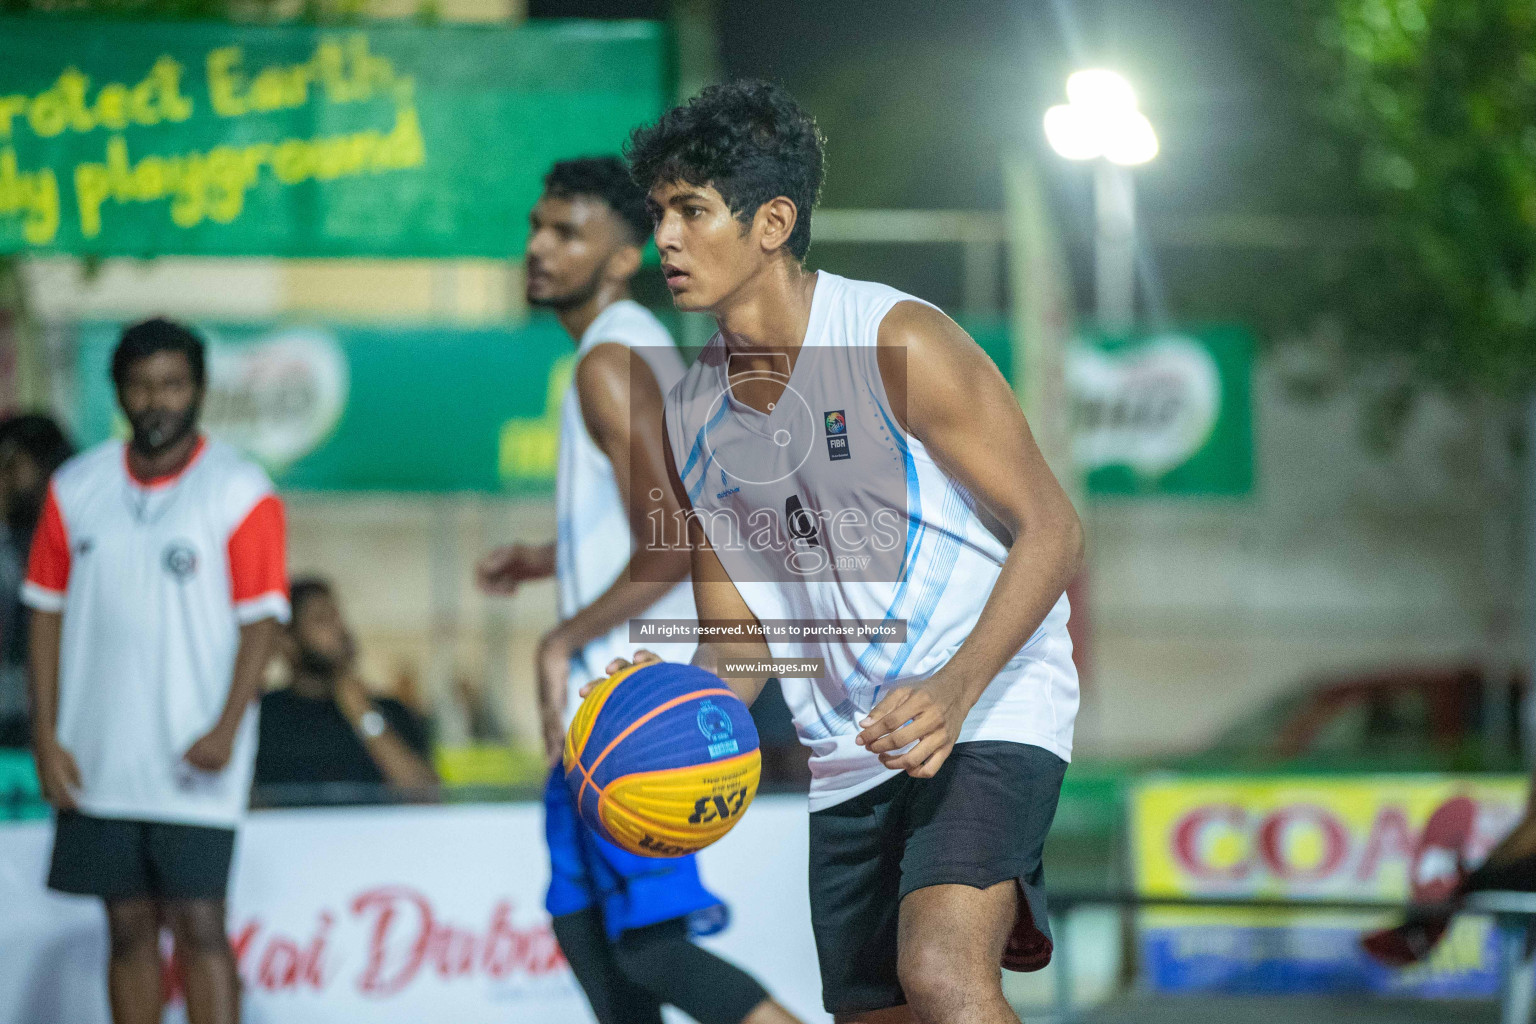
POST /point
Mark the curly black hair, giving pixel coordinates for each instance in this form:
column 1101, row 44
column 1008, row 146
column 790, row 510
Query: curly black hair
column 748, row 139
column 605, row 178
column 146, row 338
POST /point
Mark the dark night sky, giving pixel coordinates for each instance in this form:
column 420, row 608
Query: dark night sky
column 920, row 99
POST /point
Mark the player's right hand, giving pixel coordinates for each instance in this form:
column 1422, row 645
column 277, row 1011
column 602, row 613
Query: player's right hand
column 504, row 569
column 59, row 776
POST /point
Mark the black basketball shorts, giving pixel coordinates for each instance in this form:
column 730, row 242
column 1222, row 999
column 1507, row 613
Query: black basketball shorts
column 980, row 821
column 119, row 858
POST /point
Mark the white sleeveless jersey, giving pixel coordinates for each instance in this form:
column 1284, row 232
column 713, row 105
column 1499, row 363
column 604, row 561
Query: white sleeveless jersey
column 828, row 477
column 592, row 541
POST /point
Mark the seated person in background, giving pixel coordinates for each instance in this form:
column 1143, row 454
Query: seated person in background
column 324, row 727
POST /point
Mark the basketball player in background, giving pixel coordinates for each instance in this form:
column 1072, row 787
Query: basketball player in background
column 157, row 587
column 627, row 944
column 861, row 419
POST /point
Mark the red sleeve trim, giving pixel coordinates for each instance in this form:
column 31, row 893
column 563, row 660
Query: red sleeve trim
column 48, row 564
column 258, row 560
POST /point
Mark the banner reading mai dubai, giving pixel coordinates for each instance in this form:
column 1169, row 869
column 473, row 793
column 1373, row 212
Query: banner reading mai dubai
column 122, row 138
column 401, row 915
column 1354, row 838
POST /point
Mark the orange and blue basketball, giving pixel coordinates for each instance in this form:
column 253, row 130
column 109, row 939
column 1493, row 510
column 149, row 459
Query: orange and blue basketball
column 662, row 759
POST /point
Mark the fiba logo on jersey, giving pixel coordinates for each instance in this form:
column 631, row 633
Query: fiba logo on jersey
column 716, row 727
column 180, row 559
column 837, row 434
column 763, row 448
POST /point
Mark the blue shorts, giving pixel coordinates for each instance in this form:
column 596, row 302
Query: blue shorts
column 586, row 870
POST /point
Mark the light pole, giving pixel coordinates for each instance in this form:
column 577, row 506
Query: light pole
column 1100, row 122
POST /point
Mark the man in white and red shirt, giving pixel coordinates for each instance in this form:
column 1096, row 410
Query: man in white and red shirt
column 158, row 584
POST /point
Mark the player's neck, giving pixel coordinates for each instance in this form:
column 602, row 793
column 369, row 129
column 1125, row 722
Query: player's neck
column 772, row 309
column 576, row 319
column 148, row 468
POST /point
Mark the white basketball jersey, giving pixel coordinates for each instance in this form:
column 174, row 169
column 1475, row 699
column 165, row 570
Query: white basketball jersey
column 593, row 542
column 154, row 580
column 827, row 485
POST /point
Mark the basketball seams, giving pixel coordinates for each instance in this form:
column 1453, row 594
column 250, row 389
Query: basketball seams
column 586, row 715
column 602, row 791
column 654, row 712
column 644, row 812
column 588, row 772
column 742, row 761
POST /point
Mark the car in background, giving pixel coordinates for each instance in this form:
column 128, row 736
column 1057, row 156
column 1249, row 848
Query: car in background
column 1447, row 719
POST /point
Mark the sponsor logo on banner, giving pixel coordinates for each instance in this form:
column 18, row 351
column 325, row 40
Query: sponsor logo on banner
column 279, row 398
column 1348, row 838
column 397, row 937
column 1151, row 408
column 401, row 915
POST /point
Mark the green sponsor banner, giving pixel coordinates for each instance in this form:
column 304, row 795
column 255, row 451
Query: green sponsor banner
column 436, row 408
column 1164, row 413
column 126, row 138
column 371, row 409
column 366, row 408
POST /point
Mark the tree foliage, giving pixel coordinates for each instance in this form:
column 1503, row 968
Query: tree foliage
column 1433, row 103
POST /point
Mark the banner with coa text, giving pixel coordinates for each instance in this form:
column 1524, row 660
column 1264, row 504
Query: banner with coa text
column 1361, row 839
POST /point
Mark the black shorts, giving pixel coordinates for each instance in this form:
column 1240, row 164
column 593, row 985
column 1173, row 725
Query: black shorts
column 980, row 821
column 119, row 858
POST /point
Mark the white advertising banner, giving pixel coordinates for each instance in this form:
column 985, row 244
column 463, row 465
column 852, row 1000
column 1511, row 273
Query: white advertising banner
column 409, row 914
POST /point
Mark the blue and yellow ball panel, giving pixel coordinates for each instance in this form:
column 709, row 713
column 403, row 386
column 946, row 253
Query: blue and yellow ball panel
column 662, row 759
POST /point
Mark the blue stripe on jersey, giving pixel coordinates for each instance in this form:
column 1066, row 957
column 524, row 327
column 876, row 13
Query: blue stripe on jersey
column 835, row 722
column 940, row 571
column 867, row 666
column 698, row 446
column 914, row 497
column 698, row 487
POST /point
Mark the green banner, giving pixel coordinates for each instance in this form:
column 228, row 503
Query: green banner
column 371, row 409
column 364, row 408
column 140, row 139
column 1165, row 413
column 437, row 408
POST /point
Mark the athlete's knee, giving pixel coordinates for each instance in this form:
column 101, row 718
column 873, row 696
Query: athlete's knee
column 940, row 982
column 198, row 927
column 133, row 927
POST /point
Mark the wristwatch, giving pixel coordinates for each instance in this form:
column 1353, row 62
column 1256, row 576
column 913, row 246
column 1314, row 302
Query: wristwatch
column 372, row 724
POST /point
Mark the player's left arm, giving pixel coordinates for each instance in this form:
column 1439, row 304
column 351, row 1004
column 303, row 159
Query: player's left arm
column 951, row 397
column 621, row 407
column 257, row 553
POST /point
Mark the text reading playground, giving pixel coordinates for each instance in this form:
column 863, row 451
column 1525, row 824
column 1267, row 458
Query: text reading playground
column 204, row 184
